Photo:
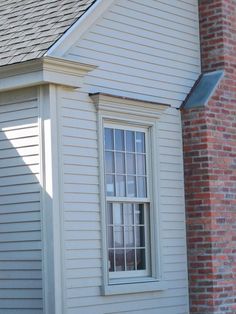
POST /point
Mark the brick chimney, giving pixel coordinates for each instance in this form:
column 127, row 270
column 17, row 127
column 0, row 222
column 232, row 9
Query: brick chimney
column 209, row 133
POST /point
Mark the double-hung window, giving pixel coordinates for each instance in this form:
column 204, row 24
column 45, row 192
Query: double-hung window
column 129, row 194
column 127, row 200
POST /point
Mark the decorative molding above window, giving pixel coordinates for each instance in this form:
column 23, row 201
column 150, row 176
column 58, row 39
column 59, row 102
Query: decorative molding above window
column 123, row 105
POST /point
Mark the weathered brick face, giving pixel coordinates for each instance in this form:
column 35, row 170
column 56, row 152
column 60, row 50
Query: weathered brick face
column 218, row 39
column 210, row 169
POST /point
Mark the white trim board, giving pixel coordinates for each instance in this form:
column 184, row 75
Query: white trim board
column 43, row 71
column 79, row 28
column 51, row 207
column 123, row 105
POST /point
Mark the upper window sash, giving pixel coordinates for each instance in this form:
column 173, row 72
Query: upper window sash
column 126, row 162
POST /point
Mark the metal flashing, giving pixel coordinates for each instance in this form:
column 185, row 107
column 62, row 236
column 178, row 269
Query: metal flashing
column 203, row 89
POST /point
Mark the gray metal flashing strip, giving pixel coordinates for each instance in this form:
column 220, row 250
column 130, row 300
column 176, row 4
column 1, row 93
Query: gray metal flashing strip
column 203, row 89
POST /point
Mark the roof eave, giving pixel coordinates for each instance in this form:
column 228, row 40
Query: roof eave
column 45, row 70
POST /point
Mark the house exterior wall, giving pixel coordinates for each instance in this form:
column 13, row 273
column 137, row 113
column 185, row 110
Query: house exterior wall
column 148, row 52
column 209, row 149
column 83, row 254
column 20, row 210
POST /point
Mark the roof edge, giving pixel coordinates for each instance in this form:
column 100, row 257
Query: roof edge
column 59, row 48
column 46, row 70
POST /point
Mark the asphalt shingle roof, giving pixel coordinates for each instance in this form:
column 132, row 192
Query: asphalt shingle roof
column 28, row 28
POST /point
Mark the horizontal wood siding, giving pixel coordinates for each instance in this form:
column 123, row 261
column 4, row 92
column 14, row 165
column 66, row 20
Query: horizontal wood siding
column 20, row 215
column 146, row 50
column 82, row 231
column 143, row 49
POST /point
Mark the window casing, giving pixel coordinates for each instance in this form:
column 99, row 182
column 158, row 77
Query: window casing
column 139, row 116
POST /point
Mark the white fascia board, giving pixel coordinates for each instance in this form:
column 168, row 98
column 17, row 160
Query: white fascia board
column 72, row 35
column 43, row 71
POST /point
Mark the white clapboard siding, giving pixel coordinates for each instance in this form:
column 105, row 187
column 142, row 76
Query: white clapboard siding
column 143, row 49
column 82, row 214
column 20, row 215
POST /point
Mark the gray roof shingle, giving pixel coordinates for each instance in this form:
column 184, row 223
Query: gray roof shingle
column 28, row 28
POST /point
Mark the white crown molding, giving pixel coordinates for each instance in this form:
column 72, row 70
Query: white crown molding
column 72, row 35
column 43, row 71
column 122, row 105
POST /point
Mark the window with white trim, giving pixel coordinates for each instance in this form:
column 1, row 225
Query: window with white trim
column 129, row 176
column 127, row 200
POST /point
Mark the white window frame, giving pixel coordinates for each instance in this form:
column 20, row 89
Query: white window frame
column 143, row 115
column 143, row 200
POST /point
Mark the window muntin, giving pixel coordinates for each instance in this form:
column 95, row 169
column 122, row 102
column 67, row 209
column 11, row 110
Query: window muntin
column 125, row 163
column 128, row 208
column 127, row 247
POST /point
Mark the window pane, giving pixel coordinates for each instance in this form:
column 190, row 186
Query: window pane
column 140, row 237
column 110, row 167
column 120, row 260
column 120, row 186
column 131, row 165
column 109, row 214
column 130, row 259
column 119, row 140
column 120, row 163
column 111, row 260
column 119, row 237
column 110, row 185
column 141, row 164
column 109, row 139
column 128, row 214
column 110, row 238
column 131, row 185
column 130, row 146
column 140, row 142
column 139, row 214
column 142, row 186
column 141, row 263
column 126, row 237
column 129, row 237
column 117, row 214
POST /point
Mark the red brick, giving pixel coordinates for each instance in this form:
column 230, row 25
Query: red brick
column 209, row 138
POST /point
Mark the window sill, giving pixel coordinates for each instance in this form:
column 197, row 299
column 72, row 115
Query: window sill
column 140, row 287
